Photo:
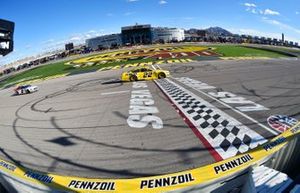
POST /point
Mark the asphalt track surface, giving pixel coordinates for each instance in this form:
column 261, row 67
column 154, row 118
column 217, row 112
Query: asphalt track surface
column 78, row 125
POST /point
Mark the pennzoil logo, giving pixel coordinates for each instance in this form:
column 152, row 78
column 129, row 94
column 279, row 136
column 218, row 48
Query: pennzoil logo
column 275, row 143
column 37, row 176
column 296, row 129
column 233, row 163
column 167, row 181
column 86, row 185
column 7, row 166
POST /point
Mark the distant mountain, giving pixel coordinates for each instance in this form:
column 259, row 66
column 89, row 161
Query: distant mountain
column 217, row 31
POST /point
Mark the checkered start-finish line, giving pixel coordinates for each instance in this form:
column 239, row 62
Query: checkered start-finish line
column 222, row 135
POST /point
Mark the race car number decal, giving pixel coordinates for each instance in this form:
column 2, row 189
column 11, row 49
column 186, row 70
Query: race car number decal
column 147, row 74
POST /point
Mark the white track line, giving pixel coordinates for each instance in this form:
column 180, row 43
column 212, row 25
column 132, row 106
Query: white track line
column 158, row 66
column 149, row 56
column 117, row 92
column 196, row 53
column 153, row 67
column 206, row 53
column 183, row 54
column 239, row 112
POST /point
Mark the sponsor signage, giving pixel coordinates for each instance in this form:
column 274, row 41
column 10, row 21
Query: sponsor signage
column 281, row 122
column 38, row 176
column 176, row 54
column 6, row 36
column 274, row 143
column 7, row 166
column 164, row 183
column 295, row 130
column 232, row 163
column 88, row 185
column 171, row 61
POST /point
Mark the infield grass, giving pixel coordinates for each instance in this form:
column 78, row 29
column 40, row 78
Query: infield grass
column 60, row 68
column 240, row 51
column 292, row 50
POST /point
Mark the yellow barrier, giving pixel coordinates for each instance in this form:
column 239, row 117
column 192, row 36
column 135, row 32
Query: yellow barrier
column 160, row 183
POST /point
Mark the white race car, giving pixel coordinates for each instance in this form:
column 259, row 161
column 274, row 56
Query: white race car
column 26, row 89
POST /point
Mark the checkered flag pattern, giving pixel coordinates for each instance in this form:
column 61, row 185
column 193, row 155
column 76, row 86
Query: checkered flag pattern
column 225, row 134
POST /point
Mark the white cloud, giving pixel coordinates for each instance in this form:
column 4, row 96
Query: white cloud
column 249, row 5
column 253, row 11
column 255, row 32
column 109, row 14
column 81, row 37
column 11, row 57
column 50, row 45
column 78, row 38
column 130, row 1
column 161, row 2
column 48, row 41
column 75, row 38
column 281, row 25
column 129, row 13
column 270, row 12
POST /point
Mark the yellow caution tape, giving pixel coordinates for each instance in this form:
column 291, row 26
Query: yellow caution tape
column 156, row 184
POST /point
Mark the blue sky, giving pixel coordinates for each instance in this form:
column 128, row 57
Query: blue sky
column 45, row 25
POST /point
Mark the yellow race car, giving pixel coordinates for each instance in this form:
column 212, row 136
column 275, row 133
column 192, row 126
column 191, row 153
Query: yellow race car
column 144, row 73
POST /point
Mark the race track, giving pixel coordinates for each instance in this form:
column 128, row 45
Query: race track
column 92, row 125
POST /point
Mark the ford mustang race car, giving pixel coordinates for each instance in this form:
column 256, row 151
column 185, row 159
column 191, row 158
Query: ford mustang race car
column 144, row 73
column 25, row 89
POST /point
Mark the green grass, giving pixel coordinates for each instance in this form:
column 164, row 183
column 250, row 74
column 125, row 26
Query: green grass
column 61, row 68
column 285, row 49
column 240, row 51
column 39, row 72
column 57, row 69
